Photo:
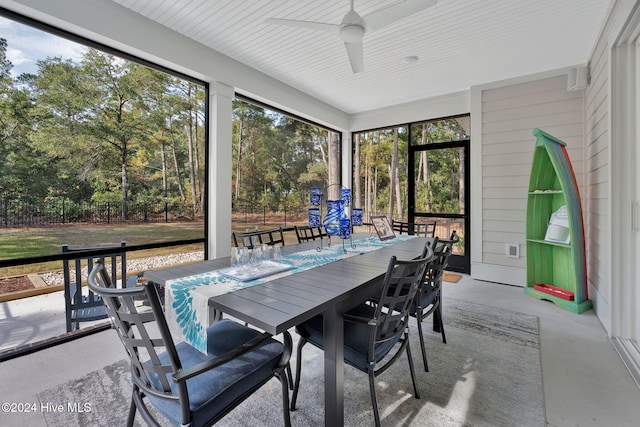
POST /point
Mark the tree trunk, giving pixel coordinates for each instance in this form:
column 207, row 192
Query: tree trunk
column 176, row 169
column 163, row 165
column 239, row 157
column 368, row 178
column 125, row 181
column 462, row 180
column 374, row 187
column 192, row 171
column 357, row 190
column 392, row 188
column 425, row 171
column 333, row 167
column 399, row 206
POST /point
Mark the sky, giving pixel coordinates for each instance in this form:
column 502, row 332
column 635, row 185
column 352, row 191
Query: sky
column 26, row 45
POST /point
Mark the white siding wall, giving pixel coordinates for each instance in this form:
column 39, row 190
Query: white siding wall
column 597, row 197
column 509, row 115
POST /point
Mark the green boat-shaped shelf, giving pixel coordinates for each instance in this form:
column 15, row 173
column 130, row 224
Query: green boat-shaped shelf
column 556, row 271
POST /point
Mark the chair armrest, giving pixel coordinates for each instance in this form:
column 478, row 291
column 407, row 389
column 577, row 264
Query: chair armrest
column 185, row 374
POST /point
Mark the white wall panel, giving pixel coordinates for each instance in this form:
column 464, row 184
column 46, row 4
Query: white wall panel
column 509, row 115
column 597, row 182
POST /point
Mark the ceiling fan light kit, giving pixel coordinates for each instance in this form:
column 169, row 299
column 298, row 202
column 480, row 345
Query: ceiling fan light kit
column 353, row 27
column 352, row 33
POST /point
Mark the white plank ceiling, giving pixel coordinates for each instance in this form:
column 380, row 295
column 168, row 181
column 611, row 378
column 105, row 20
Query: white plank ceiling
column 459, row 43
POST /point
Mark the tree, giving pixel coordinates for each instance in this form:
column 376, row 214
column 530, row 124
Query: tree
column 25, row 171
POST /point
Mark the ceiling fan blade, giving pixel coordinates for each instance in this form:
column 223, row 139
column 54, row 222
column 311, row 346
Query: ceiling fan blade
column 321, row 26
column 395, row 12
column 356, row 56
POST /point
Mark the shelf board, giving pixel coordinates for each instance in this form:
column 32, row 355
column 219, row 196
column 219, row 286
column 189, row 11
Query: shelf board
column 544, row 192
column 546, row 242
column 574, row 306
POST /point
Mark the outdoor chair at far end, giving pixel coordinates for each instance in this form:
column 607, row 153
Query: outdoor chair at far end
column 306, row 233
column 428, row 300
column 252, row 238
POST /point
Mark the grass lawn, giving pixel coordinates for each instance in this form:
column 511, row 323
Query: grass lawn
column 29, row 242
column 38, row 241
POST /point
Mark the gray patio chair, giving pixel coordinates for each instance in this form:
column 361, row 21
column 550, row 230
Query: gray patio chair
column 306, row 233
column 400, row 227
column 452, row 240
column 183, row 384
column 81, row 304
column 427, row 229
column 252, row 238
column 428, row 299
column 373, row 332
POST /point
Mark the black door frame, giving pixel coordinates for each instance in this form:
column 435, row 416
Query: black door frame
column 458, row 263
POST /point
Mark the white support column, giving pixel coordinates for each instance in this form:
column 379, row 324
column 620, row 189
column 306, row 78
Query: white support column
column 220, row 158
column 347, row 159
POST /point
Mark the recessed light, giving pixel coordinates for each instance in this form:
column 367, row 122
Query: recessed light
column 410, row 60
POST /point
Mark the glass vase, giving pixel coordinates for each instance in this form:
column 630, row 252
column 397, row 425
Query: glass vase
column 331, row 220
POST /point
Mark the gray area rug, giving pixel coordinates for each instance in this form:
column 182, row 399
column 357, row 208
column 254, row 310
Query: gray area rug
column 488, row 374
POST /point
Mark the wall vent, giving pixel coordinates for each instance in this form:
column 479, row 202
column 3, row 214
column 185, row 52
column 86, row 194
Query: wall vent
column 512, row 250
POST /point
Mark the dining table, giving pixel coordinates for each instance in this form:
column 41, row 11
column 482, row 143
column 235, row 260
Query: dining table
column 339, row 276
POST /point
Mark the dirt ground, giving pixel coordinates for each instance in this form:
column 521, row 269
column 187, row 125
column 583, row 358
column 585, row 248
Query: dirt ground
column 13, row 284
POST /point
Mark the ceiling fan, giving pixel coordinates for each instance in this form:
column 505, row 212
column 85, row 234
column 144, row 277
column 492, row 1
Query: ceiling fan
column 353, row 27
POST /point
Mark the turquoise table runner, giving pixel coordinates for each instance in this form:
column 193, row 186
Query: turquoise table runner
column 187, row 298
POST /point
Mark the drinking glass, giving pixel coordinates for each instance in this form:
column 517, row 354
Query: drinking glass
column 276, row 253
column 260, row 253
column 356, row 216
column 239, row 256
column 314, row 217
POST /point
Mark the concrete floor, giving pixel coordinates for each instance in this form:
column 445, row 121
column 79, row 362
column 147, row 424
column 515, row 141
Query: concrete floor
column 585, row 381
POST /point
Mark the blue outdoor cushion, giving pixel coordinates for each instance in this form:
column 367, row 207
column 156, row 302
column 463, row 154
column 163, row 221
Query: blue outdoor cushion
column 356, row 337
column 423, row 299
column 212, row 392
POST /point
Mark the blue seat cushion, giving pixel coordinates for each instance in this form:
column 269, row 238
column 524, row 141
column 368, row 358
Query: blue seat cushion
column 356, row 338
column 423, row 299
column 210, row 393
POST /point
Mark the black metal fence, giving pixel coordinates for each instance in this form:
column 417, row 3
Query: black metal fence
column 285, row 215
column 16, row 213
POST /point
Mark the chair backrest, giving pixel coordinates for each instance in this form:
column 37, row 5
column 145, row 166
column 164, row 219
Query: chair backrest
column 400, row 227
column 419, row 229
column 450, row 242
column 138, row 318
column 435, row 269
column 401, row 283
column 81, row 303
column 425, row 229
column 430, row 248
column 307, row 233
column 252, row 238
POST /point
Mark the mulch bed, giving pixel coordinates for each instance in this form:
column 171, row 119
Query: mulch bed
column 13, row 284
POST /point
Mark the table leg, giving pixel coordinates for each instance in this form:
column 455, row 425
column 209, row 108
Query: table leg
column 334, row 367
